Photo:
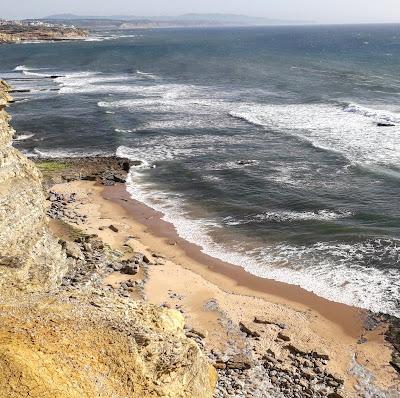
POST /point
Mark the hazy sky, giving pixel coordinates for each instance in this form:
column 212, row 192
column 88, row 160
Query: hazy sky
column 324, row 11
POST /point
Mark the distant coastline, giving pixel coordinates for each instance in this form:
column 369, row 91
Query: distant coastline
column 124, row 22
column 23, row 31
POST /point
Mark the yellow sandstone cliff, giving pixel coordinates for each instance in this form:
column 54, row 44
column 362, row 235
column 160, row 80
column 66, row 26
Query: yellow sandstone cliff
column 30, row 258
column 78, row 341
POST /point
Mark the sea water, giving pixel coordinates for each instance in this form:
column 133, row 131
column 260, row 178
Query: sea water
column 260, row 144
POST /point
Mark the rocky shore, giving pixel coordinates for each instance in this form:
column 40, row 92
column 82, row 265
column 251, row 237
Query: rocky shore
column 242, row 370
column 17, row 33
column 259, row 357
column 63, row 331
column 103, row 307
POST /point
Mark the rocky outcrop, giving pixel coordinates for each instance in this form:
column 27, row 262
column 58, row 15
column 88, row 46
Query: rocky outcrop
column 63, row 334
column 89, row 345
column 30, row 257
column 106, row 170
column 7, row 38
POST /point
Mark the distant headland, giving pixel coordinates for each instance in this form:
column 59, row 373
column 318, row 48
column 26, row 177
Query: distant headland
column 185, row 20
column 13, row 31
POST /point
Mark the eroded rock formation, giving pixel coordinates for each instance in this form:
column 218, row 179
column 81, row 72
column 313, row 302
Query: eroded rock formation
column 30, row 257
column 98, row 346
column 59, row 341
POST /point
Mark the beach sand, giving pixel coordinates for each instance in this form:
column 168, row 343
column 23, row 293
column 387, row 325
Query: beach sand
column 216, row 297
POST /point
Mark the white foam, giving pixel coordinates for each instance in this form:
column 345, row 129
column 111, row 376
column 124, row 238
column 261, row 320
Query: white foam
column 378, row 115
column 171, row 147
column 21, row 67
column 100, row 38
column 148, row 75
column 23, row 137
column 87, row 81
column 333, row 270
column 365, row 287
column 351, row 132
column 172, row 106
column 93, row 39
column 27, row 71
column 291, row 216
column 62, row 153
column 124, row 130
column 96, row 82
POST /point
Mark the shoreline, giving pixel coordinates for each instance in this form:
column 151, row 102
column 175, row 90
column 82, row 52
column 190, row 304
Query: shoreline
column 349, row 318
column 272, row 326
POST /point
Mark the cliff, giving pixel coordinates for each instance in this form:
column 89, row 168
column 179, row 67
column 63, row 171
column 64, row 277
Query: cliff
column 90, row 345
column 30, row 257
column 63, row 340
column 15, row 33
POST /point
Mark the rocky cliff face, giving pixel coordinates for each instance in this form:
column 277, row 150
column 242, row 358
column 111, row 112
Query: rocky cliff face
column 30, row 257
column 82, row 340
column 85, row 345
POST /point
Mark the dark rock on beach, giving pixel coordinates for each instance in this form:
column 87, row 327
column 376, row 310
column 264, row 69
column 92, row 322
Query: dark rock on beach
column 107, row 170
column 130, row 269
column 248, row 330
column 385, row 124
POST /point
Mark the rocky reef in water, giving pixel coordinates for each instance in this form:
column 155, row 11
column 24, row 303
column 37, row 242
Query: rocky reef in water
column 77, row 339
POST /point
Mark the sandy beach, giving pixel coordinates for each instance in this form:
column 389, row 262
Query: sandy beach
column 230, row 308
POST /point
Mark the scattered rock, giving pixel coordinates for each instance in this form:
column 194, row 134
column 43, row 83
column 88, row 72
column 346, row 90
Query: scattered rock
column 73, row 250
column 265, row 321
column 157, row 255
column 199, row 333
column 113, row 228
column 146, row 259
column 239, row 361
column 249, row 332
column 283, row 337
column 87, row 247
column 130, row 269
column 246, row 162
column 385, row 124
column 220, row 365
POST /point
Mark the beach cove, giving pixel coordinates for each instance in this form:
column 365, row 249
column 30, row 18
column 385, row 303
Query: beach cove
column 236, row 314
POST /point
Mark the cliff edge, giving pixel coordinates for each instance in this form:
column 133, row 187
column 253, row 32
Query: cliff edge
column 30, row 257
column 67, row 341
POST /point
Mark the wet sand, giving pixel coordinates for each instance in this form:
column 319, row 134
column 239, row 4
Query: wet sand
column 237, row 280
column 215, row 296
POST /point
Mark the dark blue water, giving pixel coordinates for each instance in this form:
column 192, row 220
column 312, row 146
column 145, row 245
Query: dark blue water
column 265, row 141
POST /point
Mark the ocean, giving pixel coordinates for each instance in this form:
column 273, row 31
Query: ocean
column 274, row 148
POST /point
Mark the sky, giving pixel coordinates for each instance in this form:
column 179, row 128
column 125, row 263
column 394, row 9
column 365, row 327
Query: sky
column 321, row 11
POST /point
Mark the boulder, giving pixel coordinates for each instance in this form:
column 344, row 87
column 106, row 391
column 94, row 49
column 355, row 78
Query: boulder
column 130, row 269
